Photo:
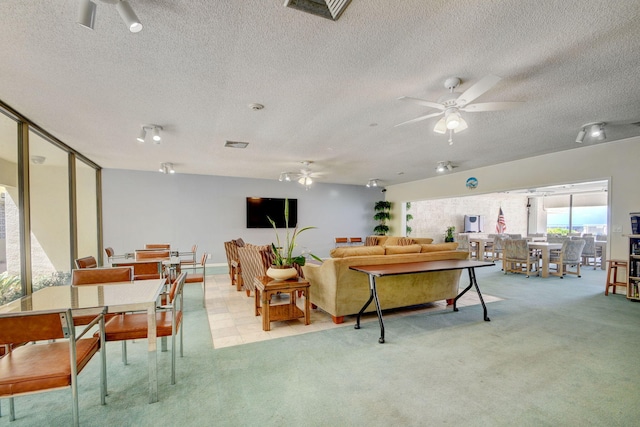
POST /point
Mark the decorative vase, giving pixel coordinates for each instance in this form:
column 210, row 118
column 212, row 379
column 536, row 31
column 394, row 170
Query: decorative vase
column 282, row 273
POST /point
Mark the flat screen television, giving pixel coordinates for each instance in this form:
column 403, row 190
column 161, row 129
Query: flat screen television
column 258, row 208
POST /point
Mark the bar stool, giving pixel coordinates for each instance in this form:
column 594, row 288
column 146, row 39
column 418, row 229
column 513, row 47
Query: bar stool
column 612, row 266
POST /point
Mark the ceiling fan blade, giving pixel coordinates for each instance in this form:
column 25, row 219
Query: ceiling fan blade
column 477, row 89
column 422, row 102
column 419, row 119
column 462, row 126
column 490, row 106
column 441, row 126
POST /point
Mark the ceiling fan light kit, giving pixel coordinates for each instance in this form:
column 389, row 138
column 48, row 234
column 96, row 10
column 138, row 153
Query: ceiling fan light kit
column 444, row 166
column 453, row 103
column 303, row 178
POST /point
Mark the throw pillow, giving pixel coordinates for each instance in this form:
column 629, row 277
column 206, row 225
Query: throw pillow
column 439, row 247
column 400, row 249
column 343, row 252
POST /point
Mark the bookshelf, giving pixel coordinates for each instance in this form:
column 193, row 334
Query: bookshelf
column 633, row 287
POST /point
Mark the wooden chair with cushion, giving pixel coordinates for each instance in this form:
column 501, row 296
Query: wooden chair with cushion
column 518, row 258
column 341, row 241
column 130, row 326
column 55, row 359
column 86, row 262
column 195, row 277
column 145, row 270
column 231, row 250
column 355, row 241
column 252, row 259
column 569, row 255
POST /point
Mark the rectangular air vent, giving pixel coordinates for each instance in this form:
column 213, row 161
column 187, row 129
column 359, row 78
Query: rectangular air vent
column 330, row 9
column 236, row 144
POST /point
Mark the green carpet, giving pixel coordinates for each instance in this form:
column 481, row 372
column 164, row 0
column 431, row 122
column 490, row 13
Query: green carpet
column 556, row 352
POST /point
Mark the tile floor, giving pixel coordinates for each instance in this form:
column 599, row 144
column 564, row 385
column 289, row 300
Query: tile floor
column 232, row 320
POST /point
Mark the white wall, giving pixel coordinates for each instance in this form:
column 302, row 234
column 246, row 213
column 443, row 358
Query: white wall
column 619, row 161
column 150, row 207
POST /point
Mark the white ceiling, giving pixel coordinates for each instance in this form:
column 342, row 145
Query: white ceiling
column 329, row 88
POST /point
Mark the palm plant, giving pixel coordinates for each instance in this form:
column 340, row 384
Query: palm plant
column 382, row 215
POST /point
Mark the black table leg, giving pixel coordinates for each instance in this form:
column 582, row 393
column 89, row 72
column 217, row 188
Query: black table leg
column 373, row 295
column 472, row 282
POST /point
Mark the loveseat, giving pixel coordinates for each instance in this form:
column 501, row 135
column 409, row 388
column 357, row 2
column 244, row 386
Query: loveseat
column 340, row 291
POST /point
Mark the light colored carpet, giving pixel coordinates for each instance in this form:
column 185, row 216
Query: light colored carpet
column 557, row 352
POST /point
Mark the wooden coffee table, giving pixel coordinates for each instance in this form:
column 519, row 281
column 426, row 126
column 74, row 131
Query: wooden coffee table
column 266, row 287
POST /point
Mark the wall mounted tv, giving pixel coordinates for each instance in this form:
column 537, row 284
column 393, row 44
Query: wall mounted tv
column 258, row 208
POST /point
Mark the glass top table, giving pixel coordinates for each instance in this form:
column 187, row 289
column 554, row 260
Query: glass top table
column 139, row 295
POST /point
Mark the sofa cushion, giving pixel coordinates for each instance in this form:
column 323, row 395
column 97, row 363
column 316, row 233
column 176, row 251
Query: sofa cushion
column 439, row 247
column 346, row 251
column 402, row 249
column 422, row 240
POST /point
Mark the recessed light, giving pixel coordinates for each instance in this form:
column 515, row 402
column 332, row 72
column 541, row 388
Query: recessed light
column 256, row 107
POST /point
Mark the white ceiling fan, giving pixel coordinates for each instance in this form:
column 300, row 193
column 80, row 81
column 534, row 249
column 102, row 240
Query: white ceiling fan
column 304, row 177
column 451, row 104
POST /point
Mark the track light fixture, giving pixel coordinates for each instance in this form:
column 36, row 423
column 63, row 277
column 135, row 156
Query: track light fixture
column 443, row 166
column 372, row 182
column 166, row 168
column 87, row 14
column 129, row 16
column 595, row 131
column 155, row 129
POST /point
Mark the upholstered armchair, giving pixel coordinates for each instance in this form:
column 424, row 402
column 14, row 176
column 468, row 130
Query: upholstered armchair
column 518, row 258
column 569, row 255
column 589, row 252
column 498, row 246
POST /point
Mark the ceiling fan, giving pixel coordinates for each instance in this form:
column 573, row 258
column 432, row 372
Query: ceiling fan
column 453, row 103
column 304, row 177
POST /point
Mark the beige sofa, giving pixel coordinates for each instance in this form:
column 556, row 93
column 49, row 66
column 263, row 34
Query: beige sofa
column 340, row 291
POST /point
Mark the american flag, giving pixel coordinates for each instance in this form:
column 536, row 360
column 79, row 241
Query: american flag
column 501, row 225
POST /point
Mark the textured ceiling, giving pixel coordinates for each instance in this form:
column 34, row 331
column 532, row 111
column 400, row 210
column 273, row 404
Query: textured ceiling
column 329, row 88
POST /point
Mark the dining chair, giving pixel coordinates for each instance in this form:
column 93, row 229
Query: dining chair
column 152, row 254
column 518, row 258
column 590, row 251
column 130, row 326
column 157, row 246
column 341, row 241
column 569, row 255
column 498, row 246
column 355, row 241
column 101, row 275
column 54, row 360
column 86, row 262
column 190, row 260
column 196, row 277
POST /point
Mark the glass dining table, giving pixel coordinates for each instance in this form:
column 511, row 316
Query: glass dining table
column 138, row 295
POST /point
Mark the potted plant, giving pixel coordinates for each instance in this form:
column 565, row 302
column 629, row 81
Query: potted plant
column 382, row 215
column 282, row 267
column 448, row 237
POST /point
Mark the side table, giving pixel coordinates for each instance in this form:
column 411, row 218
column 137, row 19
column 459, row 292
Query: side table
column 266, row 287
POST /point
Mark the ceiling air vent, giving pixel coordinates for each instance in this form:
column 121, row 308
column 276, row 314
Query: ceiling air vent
column 330, row 9
column 236, row 144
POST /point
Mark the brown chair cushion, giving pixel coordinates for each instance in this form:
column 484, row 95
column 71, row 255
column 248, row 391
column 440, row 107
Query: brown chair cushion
column 32, row 368
column 134, row 326
column 93, row 276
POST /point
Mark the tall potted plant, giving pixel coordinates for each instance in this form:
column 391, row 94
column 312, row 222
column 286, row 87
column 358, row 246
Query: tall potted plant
column 282, row 267
column 382, row 215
